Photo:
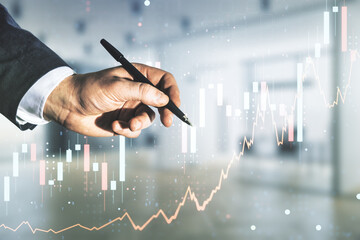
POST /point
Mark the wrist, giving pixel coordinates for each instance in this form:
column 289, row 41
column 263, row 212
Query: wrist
column 58, row 105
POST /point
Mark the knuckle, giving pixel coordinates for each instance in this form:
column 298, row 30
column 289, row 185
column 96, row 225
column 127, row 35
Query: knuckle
column 169, row 75
column 144, row 89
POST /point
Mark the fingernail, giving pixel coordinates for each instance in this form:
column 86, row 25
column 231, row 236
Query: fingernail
column 161, row 98
column 117, row 127
column 137, row 125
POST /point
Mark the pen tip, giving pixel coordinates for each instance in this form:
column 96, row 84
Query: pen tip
column 185, row 119
column 188, row 122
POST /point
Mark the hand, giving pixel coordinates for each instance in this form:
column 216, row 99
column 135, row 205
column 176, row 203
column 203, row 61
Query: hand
column 109, row 102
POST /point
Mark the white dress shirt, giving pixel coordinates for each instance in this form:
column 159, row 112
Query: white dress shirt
column 31, row 107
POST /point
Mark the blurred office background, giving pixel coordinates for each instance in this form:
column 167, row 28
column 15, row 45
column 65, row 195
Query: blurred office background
column 306, row 190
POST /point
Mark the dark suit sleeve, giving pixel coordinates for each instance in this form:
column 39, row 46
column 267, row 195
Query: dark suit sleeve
column 23, row 60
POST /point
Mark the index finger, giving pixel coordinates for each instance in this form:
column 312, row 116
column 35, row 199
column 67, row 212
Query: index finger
column 156, row 76
column 169, row 86
column 163, row 80
column 171, row 89
column 153, row 74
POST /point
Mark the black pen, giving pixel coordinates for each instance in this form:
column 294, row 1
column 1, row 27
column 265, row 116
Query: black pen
column 139, row 77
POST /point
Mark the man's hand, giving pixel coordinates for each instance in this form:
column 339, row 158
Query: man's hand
column 109, row 102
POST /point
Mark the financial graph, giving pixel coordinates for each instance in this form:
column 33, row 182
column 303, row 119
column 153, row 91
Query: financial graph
column 265, row 111
column 189, row 194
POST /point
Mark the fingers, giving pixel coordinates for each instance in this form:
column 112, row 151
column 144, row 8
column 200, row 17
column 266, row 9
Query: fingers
column 122, row 128
column 169, row 85
column 145, row 93
column 160, row 78
column 143, row 118
column 155, row 75
column 166, row 115
column 128, row 90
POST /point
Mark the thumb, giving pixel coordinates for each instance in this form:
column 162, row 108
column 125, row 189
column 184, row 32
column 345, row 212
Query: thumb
column 147, row 94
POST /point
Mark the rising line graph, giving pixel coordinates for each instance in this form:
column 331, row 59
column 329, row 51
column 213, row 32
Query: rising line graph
column 189, row 194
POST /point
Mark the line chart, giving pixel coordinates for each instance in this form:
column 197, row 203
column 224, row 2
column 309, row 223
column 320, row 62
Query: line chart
column 189, row 193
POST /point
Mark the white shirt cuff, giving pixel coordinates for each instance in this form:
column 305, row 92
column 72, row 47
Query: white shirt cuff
column 31, row 107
